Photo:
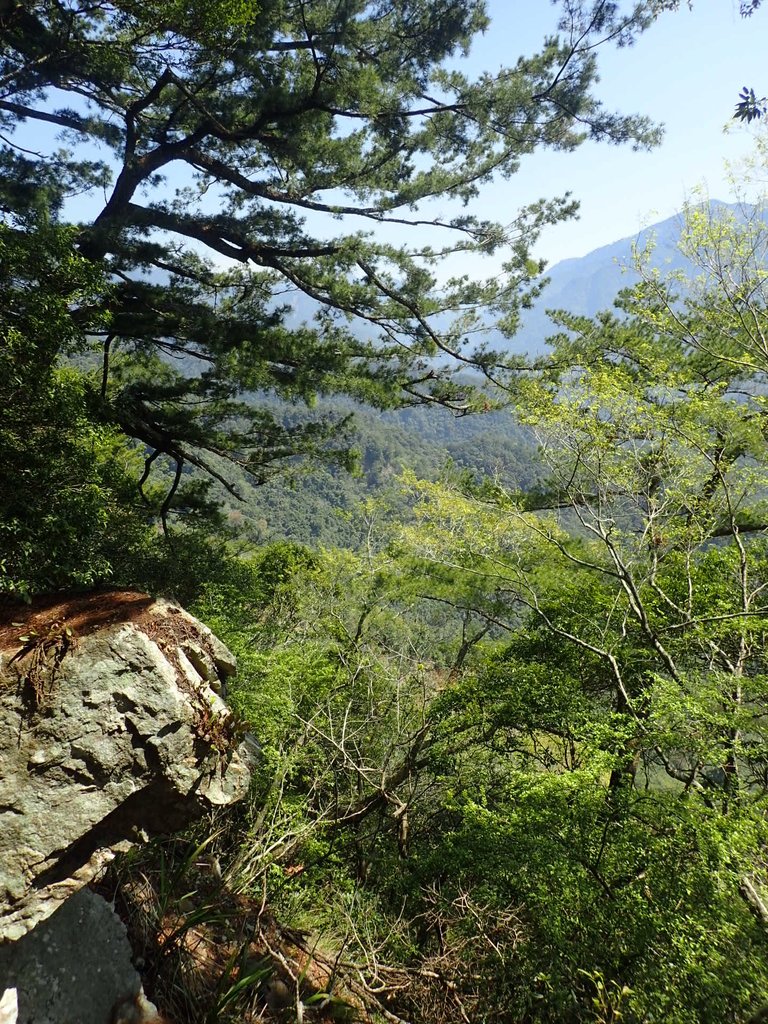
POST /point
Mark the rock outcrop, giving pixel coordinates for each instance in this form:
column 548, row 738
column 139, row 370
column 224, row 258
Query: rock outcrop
column 74, row 967
column 111, row 727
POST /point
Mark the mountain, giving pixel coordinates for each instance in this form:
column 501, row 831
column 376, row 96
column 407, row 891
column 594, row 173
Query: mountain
column 583, row 285
column 315, row 504
column 307, row 508
column 587, row 284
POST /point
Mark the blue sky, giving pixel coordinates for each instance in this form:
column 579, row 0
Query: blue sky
column 686, row 72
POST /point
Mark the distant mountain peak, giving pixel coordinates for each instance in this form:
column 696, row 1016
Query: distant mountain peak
column 585, row 285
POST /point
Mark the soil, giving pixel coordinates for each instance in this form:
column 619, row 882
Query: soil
column 81, row 613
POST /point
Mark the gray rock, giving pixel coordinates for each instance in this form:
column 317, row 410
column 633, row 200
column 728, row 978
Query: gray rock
column 108, row 730
column 72, row 968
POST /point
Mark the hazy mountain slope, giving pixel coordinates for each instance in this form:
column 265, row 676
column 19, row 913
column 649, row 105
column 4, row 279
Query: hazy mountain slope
column 587, row 284
column 582, row 285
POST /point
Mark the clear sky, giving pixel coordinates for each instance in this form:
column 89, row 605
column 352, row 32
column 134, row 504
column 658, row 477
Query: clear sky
column 686, row 72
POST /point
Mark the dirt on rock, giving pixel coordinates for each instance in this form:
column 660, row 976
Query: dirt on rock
column 80, row 613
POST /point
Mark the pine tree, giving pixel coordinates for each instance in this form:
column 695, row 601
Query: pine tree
column 254, row 180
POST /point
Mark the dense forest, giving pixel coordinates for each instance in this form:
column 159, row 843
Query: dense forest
column 500, row 622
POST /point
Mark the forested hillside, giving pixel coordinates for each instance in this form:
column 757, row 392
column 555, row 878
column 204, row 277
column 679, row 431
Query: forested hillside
column 314, row 505
column 501, row 623
column 320, row 505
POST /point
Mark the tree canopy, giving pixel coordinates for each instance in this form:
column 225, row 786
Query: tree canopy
column 511, row 753
column 217, row 160
column 630, row 697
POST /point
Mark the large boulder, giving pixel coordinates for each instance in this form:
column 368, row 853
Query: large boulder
column 73, row 968
column 112, row 726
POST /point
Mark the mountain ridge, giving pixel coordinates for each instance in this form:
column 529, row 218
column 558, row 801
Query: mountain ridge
column 585, row 285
